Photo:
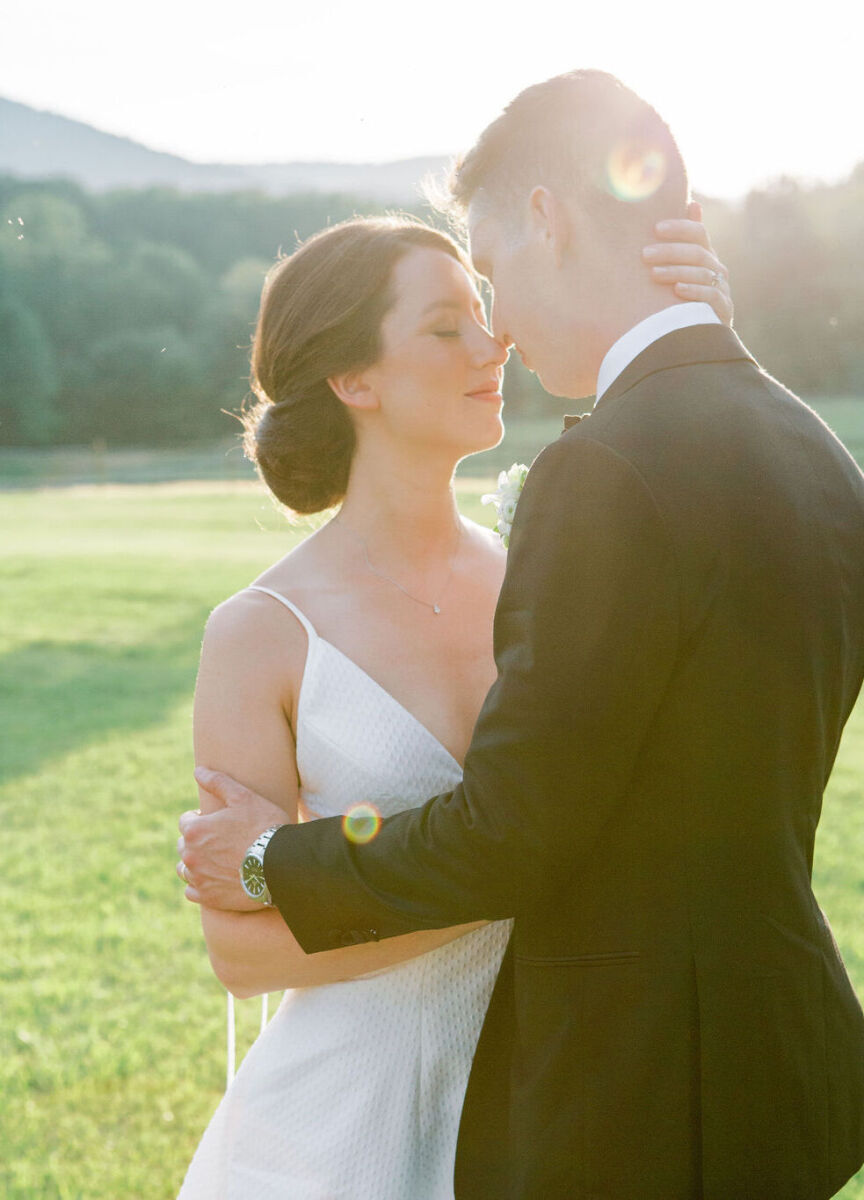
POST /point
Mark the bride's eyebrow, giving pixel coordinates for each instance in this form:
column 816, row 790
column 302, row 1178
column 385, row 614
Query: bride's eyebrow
column 440, row 304
column 457, row 305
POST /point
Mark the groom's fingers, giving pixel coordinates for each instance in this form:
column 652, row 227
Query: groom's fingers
column 182, row 873
column 187, row 820
column 222, row 786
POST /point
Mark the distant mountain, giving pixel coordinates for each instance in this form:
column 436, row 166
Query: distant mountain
column 43, row 145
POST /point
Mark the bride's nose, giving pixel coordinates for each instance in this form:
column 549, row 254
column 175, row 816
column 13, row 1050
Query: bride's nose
column 491, row 351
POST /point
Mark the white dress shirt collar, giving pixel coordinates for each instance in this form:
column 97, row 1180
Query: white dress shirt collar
column 641, row 336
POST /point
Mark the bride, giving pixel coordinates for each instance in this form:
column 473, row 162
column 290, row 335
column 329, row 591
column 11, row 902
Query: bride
column 357, row 665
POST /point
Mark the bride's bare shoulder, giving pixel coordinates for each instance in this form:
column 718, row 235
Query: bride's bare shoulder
column 256, row 622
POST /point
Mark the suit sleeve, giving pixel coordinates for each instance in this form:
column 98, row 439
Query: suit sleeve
column 586, row 635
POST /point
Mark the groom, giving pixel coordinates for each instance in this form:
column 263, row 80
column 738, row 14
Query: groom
column 679, row 639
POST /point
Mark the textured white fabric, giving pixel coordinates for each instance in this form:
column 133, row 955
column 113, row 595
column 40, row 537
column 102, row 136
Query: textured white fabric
column 354, row 1090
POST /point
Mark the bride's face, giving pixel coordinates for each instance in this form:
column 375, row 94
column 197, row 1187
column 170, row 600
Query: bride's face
column 437, row 381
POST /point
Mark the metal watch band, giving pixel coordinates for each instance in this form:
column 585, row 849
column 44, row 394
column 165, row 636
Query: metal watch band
column 260, row 844
column 256, row 851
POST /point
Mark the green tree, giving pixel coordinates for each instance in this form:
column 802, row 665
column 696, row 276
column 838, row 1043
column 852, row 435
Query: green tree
column 138, row 387
column 51, row 261
column 225, row 338
column 28, row 377
column 129, row 314
column 153, row 285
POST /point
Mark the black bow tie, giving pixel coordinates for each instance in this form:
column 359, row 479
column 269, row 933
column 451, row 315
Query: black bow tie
column 570, row 421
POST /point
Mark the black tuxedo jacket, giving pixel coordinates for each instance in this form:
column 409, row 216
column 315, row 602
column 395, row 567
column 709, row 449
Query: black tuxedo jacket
column 679, row 640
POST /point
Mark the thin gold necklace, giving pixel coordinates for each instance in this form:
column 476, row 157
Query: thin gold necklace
column 435, row 605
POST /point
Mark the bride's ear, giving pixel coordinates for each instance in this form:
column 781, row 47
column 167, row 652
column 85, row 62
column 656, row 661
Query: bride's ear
column 352, row 389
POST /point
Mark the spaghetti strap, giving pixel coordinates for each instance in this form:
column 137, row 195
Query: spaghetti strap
column 301, row 617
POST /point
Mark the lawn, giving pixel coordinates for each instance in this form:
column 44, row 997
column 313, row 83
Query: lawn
column 111, row 1029
column 526, row 436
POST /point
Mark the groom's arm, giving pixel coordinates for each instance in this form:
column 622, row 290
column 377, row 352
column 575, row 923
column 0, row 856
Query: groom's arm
column 586, row 635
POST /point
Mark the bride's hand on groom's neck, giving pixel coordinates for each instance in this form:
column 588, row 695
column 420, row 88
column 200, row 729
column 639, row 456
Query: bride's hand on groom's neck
column 684, row 260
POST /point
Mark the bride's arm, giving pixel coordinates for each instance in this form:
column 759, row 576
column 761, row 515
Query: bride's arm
column 252, row 953
column 251, row 663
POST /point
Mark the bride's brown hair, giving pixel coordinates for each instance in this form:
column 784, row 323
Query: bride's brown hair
column 320, row 316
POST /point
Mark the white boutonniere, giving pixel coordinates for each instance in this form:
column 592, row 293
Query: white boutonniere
column 505, row 499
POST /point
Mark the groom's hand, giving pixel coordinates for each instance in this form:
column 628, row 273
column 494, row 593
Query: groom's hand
column 212, row 846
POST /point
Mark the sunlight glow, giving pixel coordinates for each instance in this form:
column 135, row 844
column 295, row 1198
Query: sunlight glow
column 195, row 82
column 361, row 824
column 635, row 171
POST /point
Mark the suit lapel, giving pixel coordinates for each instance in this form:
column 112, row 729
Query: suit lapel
column 681, row 348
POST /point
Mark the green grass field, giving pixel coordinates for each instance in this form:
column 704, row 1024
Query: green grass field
column 112, row 1027
column 526, row 436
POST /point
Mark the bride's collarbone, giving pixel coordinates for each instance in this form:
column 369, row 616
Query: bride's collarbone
column 439, row 675
column 410, row 656
column 438, row 665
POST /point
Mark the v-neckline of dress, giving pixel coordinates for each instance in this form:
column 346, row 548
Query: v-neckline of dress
column 380, row 688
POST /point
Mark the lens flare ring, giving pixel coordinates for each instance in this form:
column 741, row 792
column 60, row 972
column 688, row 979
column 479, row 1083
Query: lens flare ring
column 361, row 823
column 635, row 170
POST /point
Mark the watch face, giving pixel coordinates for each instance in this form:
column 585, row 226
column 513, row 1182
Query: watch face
column 253, row 877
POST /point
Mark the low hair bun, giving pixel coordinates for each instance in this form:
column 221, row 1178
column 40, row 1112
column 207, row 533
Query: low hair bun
column 303, row 448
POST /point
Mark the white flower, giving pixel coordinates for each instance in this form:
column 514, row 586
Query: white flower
column 505, row 499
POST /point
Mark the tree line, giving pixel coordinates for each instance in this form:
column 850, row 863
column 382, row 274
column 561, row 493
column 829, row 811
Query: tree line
column 126, row 317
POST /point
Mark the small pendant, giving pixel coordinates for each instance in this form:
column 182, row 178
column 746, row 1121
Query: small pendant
column 436, row 610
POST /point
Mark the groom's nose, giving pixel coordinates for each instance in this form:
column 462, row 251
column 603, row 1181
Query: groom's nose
column 499, row 329
column 503, row 339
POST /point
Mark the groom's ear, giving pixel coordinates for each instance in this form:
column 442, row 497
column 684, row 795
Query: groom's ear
column 550, row 222
column 354, row 390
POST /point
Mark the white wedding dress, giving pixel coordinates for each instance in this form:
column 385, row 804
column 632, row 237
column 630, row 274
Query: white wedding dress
column 354, row 1090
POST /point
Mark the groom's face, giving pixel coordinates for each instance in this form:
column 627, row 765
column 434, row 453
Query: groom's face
column 501, row 255
column 534, row 307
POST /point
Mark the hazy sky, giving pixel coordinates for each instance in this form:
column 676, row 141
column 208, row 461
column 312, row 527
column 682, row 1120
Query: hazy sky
column 752, row 90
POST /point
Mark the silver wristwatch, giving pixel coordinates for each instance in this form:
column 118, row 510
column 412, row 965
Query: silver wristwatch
column 252, row 869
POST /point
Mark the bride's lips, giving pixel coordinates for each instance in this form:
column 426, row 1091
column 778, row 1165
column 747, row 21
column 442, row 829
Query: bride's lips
column 491, row 393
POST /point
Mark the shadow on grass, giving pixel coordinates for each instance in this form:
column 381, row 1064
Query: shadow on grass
column 56, row 697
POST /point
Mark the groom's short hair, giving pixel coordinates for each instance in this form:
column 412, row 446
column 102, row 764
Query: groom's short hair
column 582, row 133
